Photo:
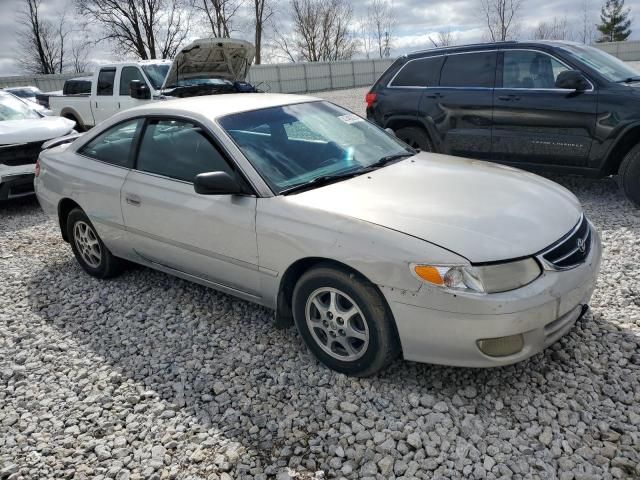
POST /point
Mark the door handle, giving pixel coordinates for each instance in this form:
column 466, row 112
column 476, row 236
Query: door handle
column 434, row 95
column 508, row 98
column 133, row 200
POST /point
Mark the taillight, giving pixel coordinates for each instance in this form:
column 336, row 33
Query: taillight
column 37, row 170
column 370, row 98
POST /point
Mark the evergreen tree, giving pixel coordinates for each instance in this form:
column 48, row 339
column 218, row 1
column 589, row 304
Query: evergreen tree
column 615, row 22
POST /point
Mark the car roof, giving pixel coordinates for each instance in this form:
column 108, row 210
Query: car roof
column 492, row 46
column 215, row 106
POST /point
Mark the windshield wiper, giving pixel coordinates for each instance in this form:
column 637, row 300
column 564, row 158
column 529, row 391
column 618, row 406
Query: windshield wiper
column 321, row 181
column 386, row 160
column 630, row 79
column 329, row 179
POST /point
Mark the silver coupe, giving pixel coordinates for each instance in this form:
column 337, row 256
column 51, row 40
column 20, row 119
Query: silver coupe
column 373, row 249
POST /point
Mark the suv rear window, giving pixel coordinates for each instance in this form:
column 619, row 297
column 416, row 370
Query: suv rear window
column 420, row 72
column 469, row 70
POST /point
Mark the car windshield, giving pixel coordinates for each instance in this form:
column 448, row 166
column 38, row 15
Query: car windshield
column 608, row 66
column 293, row 145
column 12, row 108
column 26, row 92
column 156, row 73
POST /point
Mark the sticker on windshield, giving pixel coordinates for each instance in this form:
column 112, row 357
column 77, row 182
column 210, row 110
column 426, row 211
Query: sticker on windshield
column 350, row 118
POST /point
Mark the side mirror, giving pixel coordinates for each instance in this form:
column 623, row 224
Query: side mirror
column 216, row 183
column 572, row 80
column 139, row 90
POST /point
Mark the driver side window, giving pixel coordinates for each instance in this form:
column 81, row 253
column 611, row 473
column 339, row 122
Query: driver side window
column 530, row 69
column 178, row 149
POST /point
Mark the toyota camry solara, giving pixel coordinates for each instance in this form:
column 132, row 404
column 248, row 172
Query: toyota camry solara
column 374, row 250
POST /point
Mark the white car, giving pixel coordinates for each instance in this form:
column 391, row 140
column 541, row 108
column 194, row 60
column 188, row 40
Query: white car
column 29, row 94
column 297, row 204
column 22, row 133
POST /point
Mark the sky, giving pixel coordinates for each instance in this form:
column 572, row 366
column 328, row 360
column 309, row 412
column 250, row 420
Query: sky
column 417, row 20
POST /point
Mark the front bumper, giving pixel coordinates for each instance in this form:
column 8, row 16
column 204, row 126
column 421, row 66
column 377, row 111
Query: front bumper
column 16, row 185
column 444, row 328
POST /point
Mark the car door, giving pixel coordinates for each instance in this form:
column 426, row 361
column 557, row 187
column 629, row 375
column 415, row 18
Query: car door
column 104, row 102
column 212, row 237
column 127, row 74
column 461, row 106
column 108, row 159
column 535, row 123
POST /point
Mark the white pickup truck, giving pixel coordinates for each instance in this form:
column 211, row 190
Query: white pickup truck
column 206, row 66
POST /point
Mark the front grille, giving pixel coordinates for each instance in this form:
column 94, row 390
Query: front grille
column 21, row 154
column 571, row 250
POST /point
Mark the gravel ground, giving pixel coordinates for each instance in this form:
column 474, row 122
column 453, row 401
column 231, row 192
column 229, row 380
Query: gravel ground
column 148, row 376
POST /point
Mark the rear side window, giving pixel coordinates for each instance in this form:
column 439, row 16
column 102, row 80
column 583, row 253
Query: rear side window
column 114, row 145
column 421, row 72
column 105, row 81
column 178, row 149
column 469, row 70
column 126, row 75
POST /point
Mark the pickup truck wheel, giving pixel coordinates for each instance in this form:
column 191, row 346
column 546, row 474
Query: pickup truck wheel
column 629, row 175
column 344, row 321
column 415, row 137
column 90, row 252
column 78, row 127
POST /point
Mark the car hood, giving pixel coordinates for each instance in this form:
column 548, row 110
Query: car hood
column 224, row 58
column 34, row 130
column 483, row 211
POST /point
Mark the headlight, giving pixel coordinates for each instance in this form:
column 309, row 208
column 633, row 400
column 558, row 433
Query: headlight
column 499, row 277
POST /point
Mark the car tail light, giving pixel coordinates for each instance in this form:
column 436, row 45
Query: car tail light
column 37, row 170
column 370, row 98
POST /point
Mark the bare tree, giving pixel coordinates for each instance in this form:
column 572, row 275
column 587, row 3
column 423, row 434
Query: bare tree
column 444, row 39
column 501, row 17
column 262, row 13
column 219, row 15
column 556, row 30
column 148, row 29
column 587, row 31
column 42, row 40
column 382, row 22
column 366, row 36
column 320, row 31
column 79, row 57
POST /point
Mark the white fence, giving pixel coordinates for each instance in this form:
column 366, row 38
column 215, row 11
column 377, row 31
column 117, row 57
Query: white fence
column 282, row 78
column 627, row 51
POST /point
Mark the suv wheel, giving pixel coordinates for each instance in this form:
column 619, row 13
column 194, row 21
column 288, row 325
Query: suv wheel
column 415, row 137
column 629, row 175
column 344, row 321
column 90, row 252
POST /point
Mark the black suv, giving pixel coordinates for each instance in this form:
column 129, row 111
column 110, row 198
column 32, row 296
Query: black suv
column 552, row 106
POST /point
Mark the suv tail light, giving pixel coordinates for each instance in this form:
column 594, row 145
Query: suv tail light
column 37, row 170
column 370, row 98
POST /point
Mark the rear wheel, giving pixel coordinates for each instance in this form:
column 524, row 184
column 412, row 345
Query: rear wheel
column 629, row 175
column 90, row 252
column 78, row 127
column 344, row 321
column 415, row 137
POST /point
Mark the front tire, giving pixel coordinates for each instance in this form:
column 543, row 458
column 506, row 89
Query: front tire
column 344, row 321
column 415, row 137
column 90, row 252
column 629, row 175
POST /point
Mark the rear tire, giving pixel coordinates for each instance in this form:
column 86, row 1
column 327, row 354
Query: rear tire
column 629, row 175
column 415, row 137
column 78, row 128
column 90, row 252
column 344, row 321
